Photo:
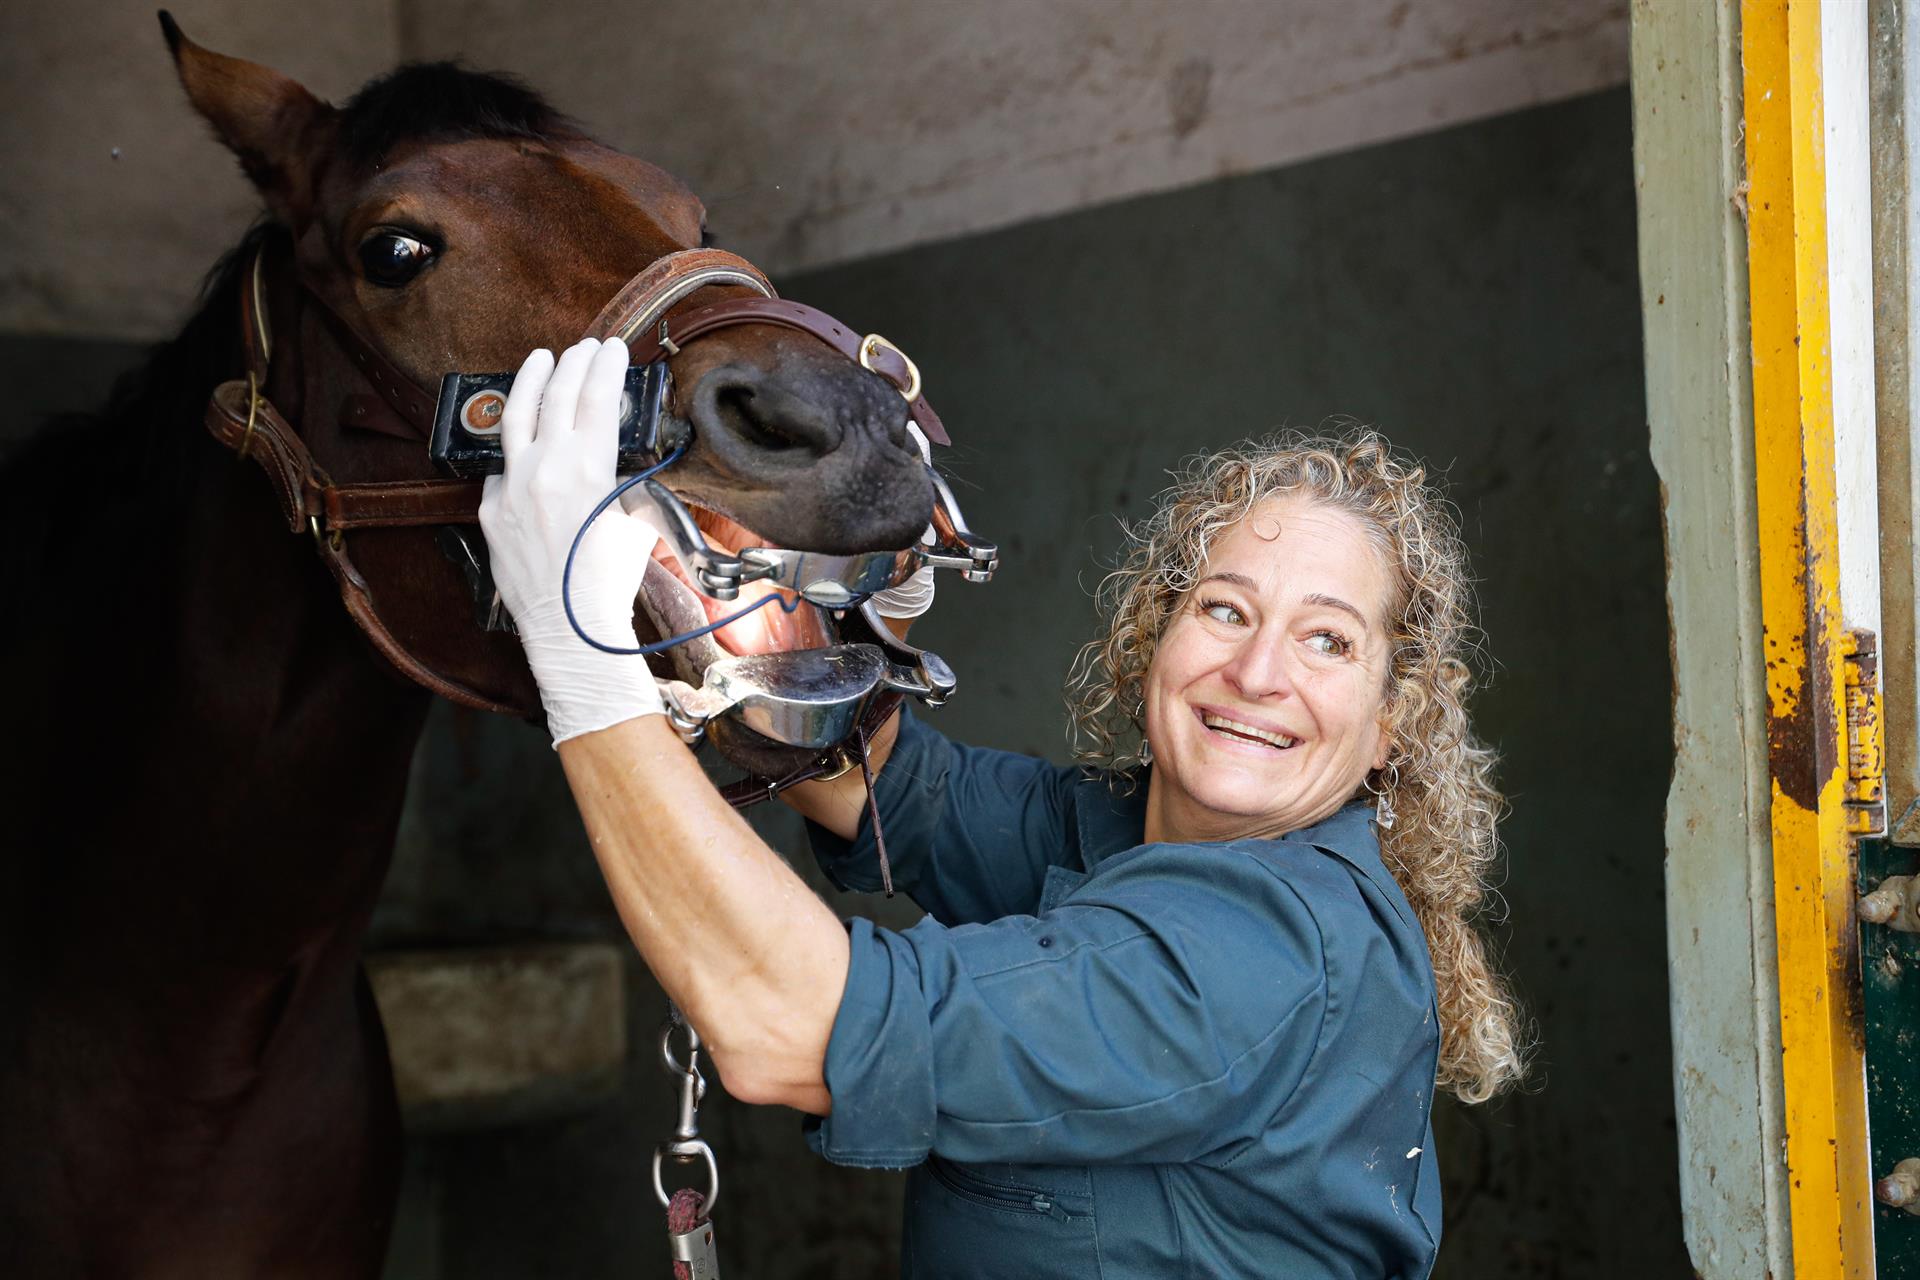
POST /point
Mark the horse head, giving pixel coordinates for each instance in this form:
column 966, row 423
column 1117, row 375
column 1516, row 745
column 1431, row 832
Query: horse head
column 454, row 221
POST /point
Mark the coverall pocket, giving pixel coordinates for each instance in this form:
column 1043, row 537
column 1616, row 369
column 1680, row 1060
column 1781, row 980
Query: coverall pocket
column 997, row 1220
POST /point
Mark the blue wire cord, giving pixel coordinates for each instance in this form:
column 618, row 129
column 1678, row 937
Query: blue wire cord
column 566, row 576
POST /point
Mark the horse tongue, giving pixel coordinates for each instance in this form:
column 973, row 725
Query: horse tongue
column 770, row 628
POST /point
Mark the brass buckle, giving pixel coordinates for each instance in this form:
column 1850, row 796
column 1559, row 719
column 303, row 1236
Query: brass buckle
column 253, row 412
column 331, row 537
column 874, row 342
column 845, row 766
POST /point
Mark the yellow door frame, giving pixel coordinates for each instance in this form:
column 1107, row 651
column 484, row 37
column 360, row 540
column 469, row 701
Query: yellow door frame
column 1823, row 1073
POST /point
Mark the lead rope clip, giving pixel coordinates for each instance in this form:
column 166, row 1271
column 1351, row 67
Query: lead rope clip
column 689, row 1212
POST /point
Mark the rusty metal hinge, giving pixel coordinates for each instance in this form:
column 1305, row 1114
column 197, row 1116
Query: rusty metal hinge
column 1866, row 802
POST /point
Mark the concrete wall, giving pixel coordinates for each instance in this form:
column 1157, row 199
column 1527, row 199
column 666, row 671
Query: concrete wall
column 117, row 198
column 1473, row 293
column 818, row 132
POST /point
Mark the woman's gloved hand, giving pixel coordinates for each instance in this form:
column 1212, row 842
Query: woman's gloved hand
column 914, row 596
column 560, row 434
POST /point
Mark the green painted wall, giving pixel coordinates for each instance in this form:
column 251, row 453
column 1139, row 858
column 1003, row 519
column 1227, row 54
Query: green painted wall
column 1472, row 293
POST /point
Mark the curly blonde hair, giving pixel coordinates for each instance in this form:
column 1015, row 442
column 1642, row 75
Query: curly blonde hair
column 1442, row 846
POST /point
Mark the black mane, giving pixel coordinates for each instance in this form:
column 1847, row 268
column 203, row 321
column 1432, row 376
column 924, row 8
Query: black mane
column 116, row 463
column 443, row 101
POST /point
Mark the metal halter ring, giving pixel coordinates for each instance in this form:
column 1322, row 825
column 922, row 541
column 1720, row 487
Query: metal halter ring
column 873, row 342
column 695, row 1149
column 333, row 539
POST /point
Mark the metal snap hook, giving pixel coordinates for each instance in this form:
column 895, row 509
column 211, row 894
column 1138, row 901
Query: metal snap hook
column 670, row 1060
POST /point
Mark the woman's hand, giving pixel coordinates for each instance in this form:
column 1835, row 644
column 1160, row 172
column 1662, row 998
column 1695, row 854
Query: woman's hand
column 560, row 435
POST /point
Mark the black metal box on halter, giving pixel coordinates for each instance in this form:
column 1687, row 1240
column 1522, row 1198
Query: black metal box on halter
column 466, row 425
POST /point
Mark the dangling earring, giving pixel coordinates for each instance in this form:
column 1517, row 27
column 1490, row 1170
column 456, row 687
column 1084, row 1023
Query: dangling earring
column 1146, row 752
column 1383, row 814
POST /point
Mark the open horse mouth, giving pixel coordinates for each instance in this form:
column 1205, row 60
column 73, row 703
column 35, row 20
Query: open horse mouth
column 676, row 607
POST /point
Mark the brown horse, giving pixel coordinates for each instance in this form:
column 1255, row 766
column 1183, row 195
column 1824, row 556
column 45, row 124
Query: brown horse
column 193, row 1078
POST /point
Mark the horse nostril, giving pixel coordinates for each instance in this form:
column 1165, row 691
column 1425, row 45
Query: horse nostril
column 744, row 403
column 736, row 408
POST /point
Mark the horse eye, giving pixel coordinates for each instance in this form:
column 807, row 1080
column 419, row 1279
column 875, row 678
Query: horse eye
column 392, row 258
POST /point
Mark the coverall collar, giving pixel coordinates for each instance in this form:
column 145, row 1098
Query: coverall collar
column 1112, row 818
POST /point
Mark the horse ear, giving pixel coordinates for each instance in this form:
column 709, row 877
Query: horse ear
column 269, row 121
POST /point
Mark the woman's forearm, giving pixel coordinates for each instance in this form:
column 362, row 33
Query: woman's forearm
column 752, row 956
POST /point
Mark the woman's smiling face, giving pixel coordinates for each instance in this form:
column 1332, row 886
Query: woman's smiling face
column 1267, row 694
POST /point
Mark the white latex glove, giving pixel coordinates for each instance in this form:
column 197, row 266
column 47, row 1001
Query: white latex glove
column 914, row 596
column 560, row 434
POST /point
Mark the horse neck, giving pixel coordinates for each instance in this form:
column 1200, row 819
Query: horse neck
column 316, row 730
column 285, row 682
column 222, row 750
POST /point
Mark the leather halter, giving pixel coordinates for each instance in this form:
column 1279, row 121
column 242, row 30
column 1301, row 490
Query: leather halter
column 242, row 418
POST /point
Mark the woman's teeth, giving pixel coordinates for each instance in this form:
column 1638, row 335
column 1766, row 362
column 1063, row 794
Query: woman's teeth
column 1239, row 730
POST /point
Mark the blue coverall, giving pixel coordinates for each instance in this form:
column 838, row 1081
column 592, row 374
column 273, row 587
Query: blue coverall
column 1103, row 1058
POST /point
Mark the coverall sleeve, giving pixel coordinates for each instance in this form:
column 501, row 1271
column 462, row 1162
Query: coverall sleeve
column 970, row 832
column 1163, row 1012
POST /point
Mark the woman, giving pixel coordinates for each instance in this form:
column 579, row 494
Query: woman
column 1178, row 1018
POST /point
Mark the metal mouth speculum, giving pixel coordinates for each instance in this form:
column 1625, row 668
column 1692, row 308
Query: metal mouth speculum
column 832, row 582
column 814, row 698
column 810, row 698
column 839, row 583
